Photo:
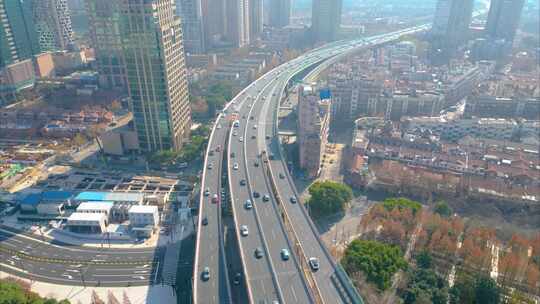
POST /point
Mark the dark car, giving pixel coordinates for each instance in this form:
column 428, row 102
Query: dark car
column 259, row 253
column 205, row 221
column 281, row 175
column 293, row 199
column 233, row 154
column 243, row 182
column 266, row 198
column 256, row 163
column 256, row 194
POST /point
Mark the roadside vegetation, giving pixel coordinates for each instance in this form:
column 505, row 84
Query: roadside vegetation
column 328, row 198
column 18, row 292
column 189, row 152
column 448, row 259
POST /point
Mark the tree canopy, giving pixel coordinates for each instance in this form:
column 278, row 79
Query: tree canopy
column 12, row 292
column 479, row 289
column 328, row 197
column 442, row 209
column 376, row 260
column 401, row 203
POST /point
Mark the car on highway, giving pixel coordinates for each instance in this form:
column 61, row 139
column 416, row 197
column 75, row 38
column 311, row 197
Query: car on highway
column 256, row 163
column 218, row 148
column 248, row 204
column 205, row 221
column 205, row 276
column 285, row 254
column 258, row 253
column 241, row 139
column 267, row 137
column 244, row 231
column 281, row 175
column 253, row 136
column 234, row 133
column 211, row 153
column 233, row 155
column 254, row 127
column 206, row 192
column 237, row 278
column 314, row 263
column 243, row 182
column 293, row 199
column 266, row 198
column 210, row 166
column 235, row 166
column 218, row 127
column 215, row 199
column 256, row 194
column 251, row 118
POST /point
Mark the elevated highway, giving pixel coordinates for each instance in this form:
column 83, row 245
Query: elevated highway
column 274, row 223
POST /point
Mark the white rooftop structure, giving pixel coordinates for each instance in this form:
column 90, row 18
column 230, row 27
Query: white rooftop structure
column 85, row 217
column 95, row 207
column 143, row 209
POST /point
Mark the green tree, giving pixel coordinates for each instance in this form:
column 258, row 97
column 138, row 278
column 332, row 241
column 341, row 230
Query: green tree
column 463, row 290
column 487, row 291
column 328, row 197
column 424, row 259
column 401, row 203
column 11, row 292
column 376, row 260
column 443, row 209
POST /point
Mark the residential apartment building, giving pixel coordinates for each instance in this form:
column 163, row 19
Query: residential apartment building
column 279, row 13
column 325, row 20
column 313, row 127
column 256, row 16
column 18, row 39
column 190, row 12
column 104, row 32
column 53, row 24
column 503, row 19
column 151, row 37
column 237, row 25
column 450, row 28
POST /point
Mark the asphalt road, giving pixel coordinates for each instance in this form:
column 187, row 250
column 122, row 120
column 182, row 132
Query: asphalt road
column 209, row 237
column 269, row 278
column 74, row 265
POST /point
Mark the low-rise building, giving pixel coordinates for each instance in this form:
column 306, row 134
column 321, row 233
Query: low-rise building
column 143, row 219
column 93, row 223
column 103, row 207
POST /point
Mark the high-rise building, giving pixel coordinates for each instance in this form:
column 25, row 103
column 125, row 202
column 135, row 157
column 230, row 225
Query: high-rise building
column 313, row 127
column 104, row 32
column 255, row 18
column 238, row 22
column 503, row 19
column 53, row 24
column 151, row 37
column 214, row 21
column 18, row 40
column 279, row 13
column 450, row 27
column 190, row 12
column 325, row 20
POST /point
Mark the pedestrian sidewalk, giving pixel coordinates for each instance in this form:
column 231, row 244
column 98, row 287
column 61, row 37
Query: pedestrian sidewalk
column 79, row 294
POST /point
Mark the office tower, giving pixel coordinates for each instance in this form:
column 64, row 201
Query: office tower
column 214, row 21
column 151, row 36
column 279, row 13
column 190, row 12
column 255, row 18
column 325, row 20
column 503, row 19
column 237, row 22
column 53, row 24
column 17, row 33
column 450, row 27
column 104, row 32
